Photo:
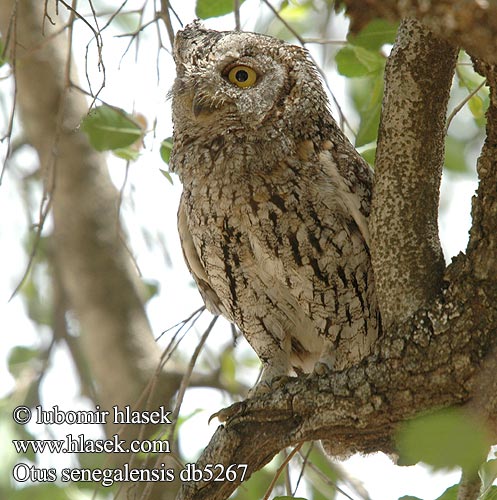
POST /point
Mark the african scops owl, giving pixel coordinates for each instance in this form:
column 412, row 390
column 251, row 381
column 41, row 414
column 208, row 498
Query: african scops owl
column 274, row 213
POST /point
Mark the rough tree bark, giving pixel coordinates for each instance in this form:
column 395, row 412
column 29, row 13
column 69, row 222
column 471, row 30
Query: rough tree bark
column 101, row 284
column 439, row 347
column 407, row 258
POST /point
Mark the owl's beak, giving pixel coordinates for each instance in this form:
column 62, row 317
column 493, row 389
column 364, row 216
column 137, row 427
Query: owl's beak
column 197, row 106
column 200, row 106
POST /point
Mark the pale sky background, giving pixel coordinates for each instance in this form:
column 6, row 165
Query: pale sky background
column 151, row 201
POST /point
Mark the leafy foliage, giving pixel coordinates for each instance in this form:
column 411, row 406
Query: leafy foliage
column 2, row 53
column 110, row 128
column 362, row 57
column 165, row 153
column 214, row 8
column 488, row 474
column 450, row 493
column 288, row 498
column 445, row 439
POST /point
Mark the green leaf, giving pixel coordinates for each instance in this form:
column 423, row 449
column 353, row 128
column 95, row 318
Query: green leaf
column 324, row 476
column 289, row 498
column 151, row 288
column 356, row 61
column 3, row 58
column 167, row 175
column 39, row 306
column 445, row 439
column 295, row 12
column 377, row 33
column 214, row 8
column 368, row 128
column 370, row 113
column 166, row 147
column 475, row 105
column 228, row 368
column 129, row 154
column 490, row 494
column 478, row 104
column 19, row 356
column 348, row 63
column 110, row 128
column 369, row 155
column 450, row 493
column 488, row 474
column 372, row 60
column 469, row 79
column 455, row 155
column 409, row 497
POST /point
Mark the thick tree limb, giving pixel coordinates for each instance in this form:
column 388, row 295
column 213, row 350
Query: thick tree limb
column 430, row 361
column 406, row 252
column 470, row 24
column 102, row 287
column 482, row 248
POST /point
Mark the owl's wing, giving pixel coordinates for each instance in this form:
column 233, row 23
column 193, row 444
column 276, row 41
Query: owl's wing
column 351, row 194
column 194, row 264
column 319, row 254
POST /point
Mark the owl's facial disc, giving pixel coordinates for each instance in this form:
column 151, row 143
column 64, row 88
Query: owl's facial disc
column 225, row 77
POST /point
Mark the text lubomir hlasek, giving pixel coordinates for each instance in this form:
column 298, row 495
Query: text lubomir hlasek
column 119, row 416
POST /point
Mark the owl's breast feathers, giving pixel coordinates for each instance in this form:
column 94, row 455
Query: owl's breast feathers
column 284, row 254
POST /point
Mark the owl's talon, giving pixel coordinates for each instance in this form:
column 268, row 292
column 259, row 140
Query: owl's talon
column 228, row 413
column 321, row 369
column 266, row 386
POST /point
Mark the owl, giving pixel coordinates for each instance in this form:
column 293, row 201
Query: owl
column 273, row 217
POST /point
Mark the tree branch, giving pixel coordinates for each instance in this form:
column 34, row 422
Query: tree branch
column 482, row 248
column 470, row 24
column 430, row 361
column 406, row 253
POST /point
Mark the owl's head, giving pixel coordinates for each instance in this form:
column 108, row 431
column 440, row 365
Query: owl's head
column 243, row 81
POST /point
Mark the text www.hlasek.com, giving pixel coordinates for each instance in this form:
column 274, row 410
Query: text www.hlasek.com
column 79, row 444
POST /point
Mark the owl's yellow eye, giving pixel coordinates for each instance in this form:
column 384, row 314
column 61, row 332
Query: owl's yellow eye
column 242, row 76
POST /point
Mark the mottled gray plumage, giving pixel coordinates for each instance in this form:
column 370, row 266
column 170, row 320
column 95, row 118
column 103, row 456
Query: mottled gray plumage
column 273, row 216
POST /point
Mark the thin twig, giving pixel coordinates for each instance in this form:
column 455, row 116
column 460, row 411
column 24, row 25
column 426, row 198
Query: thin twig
column 287, row 26
column 236, row 10
column 324, row 41
column 185, row 381
column 327, row 480
column 79, row 16
column 304, row 463
column 458, row 108
column 171, row 347
column 188, row 373
column 11, row 32
column 280, row 470
column 34, row 248
column 114, row 15
column 164, row 15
